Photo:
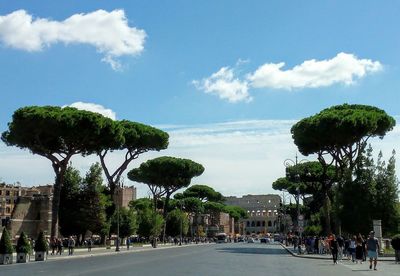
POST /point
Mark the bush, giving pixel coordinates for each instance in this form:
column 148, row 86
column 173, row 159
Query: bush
column 396, row 242
column 41, row 244
column 5, row 243
column 312, row 230
column 23, row 245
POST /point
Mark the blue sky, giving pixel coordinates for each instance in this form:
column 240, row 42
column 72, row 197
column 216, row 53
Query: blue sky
column 197, row 64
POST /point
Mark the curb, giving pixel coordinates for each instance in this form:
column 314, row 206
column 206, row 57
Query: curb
column 142, row 249
column 301, row 256
column 324, row 258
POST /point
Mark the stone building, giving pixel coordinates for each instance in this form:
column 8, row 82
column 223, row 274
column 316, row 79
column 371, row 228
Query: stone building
column 25, row 209
column 31, row 214
column 262, row 211
column 211, row 224
column 9, row 194
column 125, row 195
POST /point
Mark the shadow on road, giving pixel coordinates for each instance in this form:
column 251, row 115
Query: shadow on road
column 252, row 250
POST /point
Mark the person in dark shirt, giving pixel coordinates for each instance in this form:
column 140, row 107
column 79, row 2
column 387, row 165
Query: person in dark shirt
column 334, row 246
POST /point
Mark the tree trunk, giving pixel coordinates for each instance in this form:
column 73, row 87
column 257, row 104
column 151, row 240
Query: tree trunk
column 60, row 172
column 165, row 213
column 327, row 214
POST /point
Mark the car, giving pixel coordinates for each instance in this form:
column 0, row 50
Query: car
column 240, row 239
column 251, row 240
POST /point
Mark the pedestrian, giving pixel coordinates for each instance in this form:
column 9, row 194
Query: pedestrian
column 90, row 244
column 321, row 246
column 372, row 249
column 128, row 242
column 334, row 247
column 71, row 245
column 59, row 246
column 346, row 248
column 340, row 248
column 364, row 246
column 352, row 248
column 359, row 249
column 53, row 245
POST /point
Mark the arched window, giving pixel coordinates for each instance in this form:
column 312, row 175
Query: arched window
column 248, row 224
column 258, row 224
column 253, row 224
column 263, row 223
column 269, row 223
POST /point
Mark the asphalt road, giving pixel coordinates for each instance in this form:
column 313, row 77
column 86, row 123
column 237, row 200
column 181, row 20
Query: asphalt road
column 220, row 259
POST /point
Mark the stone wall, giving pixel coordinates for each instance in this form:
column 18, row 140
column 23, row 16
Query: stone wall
column 32, row 214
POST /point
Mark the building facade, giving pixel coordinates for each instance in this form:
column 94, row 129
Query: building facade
column 262, row 211
column 125, row 195
column 25, row 209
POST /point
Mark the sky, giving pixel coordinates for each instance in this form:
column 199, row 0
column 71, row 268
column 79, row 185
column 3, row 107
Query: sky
column 226, row 79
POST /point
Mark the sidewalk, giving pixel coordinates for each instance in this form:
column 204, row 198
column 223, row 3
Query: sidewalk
column 102, row 251
column 324, row 257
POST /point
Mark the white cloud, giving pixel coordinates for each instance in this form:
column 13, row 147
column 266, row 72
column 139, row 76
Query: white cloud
column 343, row 68
column 108, row 32
column 224, row 84
column 94, row 108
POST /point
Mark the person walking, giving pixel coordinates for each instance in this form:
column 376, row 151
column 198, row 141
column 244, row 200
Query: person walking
column 59, row 246
column 352, row 248
column 372, row 249
column 340, row 248
column 347, row 248
column 71, row 245
column 90, row 244
column 359, row 249
column 334, row 247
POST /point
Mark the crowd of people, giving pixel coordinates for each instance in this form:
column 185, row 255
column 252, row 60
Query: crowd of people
column 356, row 248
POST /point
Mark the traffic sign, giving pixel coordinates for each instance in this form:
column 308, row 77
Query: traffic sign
column 301, row 229
column 301, row 223
column 300, row 217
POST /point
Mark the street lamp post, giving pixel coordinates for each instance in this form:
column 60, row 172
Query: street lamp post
column 181, row 230
column 120, row 185
column 298, row 207
column 289, row 163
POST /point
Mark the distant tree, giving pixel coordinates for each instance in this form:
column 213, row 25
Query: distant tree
column 94, row 202
column 148, row 220
column 84, row 203
column 166, row 175
column 341, row 131
column 71, row 220
column 141, row 204
column 310, row 178
column 235, row 212
column 387, row 195
column 357, row 197
column 57, row 134
column 127, row 222
column 137, row 139
column 204, row 193
column 338, row 136
column 174, row 220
